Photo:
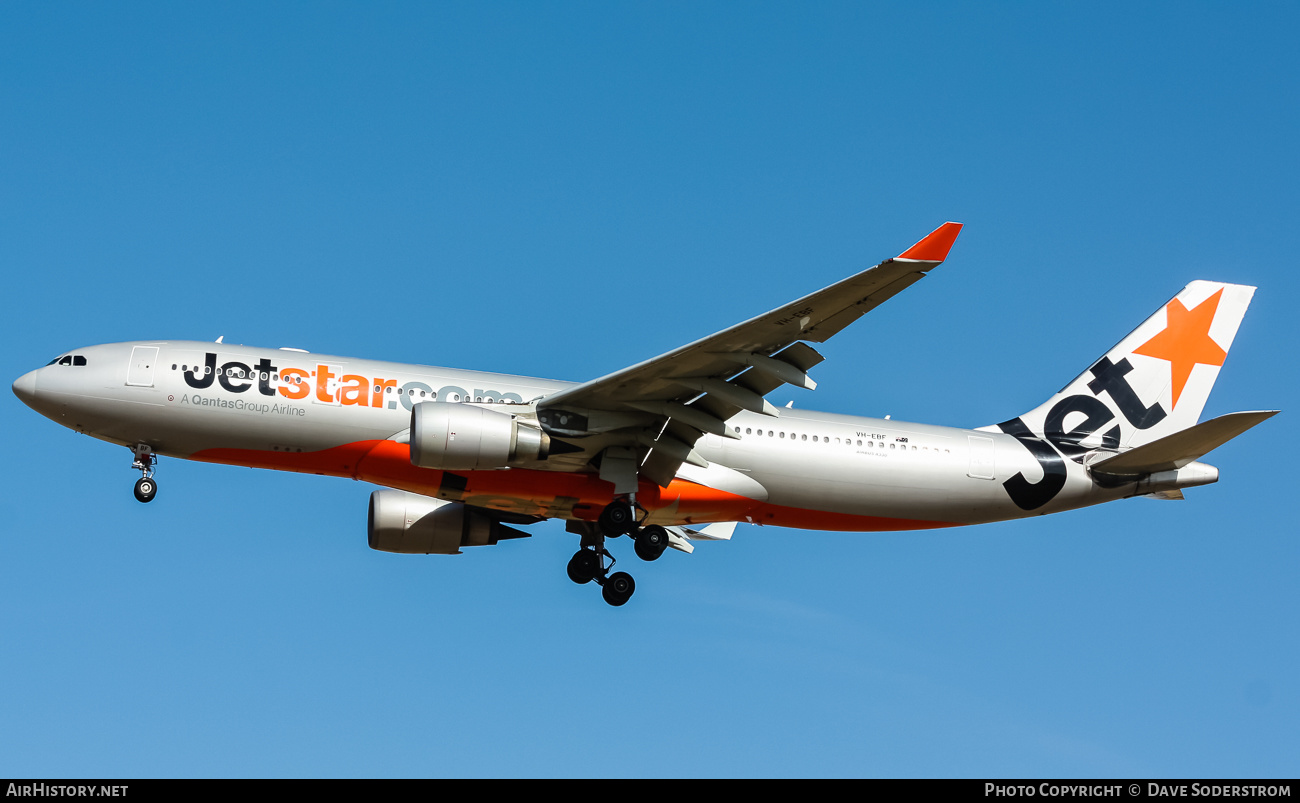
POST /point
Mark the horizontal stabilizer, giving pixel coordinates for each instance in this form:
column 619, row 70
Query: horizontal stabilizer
column 1174, row 451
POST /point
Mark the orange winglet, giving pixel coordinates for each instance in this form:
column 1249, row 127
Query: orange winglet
column 935, row 246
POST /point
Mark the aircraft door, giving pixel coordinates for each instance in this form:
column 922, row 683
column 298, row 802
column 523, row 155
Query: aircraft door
column 140, row 371
column 981, row 457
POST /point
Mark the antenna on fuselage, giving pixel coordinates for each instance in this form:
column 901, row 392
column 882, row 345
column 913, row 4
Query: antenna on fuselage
column 219, row 339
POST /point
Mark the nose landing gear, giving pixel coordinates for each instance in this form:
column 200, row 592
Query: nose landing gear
column 145, row 487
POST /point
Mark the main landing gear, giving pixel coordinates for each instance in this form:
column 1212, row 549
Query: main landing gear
column 146, row 487
column 588, row 564
column 619, row 518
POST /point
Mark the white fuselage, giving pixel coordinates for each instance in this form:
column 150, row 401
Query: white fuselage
column 341, row 416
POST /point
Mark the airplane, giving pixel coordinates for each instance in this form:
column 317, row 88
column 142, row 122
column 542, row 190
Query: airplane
column 670, row 451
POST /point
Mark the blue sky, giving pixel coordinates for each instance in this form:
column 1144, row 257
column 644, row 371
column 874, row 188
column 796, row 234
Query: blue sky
column 564, row 189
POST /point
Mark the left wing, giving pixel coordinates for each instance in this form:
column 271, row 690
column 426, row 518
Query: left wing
column 645, row 420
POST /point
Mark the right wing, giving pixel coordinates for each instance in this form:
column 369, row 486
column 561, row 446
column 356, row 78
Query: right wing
column 644, row 420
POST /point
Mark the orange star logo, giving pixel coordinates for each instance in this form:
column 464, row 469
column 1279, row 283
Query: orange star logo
column 1186, row 340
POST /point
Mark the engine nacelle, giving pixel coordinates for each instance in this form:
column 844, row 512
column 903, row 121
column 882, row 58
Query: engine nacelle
column 418, row 525
column 449, row 435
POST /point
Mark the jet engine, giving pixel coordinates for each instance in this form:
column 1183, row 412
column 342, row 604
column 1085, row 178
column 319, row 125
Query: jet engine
column 449, row 435
column 419, row 525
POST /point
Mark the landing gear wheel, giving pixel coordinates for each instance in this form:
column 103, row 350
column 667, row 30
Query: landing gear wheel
column 651, row 542
column 584, row 566
column 618, row 588
column 618, row 518
column 145, row 489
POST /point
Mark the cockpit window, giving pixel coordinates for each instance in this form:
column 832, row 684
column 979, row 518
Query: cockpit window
column 53, row 361
column 77, row 359
column 66, row 360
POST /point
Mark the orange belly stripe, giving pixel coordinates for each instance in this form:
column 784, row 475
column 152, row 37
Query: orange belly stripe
column 552, row 494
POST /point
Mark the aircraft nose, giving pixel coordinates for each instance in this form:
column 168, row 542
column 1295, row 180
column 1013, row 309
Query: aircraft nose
column 25, row 387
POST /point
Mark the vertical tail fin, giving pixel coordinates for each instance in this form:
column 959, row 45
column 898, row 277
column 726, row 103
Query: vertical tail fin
column 1154, row 383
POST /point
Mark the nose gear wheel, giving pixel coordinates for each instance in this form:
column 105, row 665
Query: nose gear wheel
column 146, row 487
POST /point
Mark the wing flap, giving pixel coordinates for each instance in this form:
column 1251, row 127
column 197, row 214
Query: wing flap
column 680, row 537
